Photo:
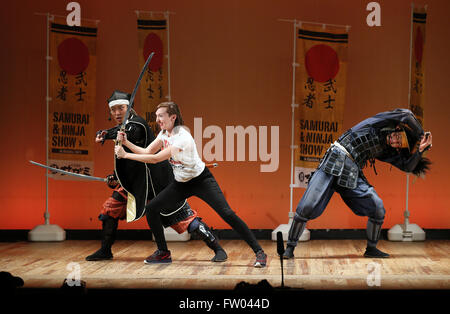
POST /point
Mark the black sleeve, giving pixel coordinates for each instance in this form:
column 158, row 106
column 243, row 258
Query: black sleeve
column 111, row 134
column 402, row 117
column 136, row 134
column 406, row 163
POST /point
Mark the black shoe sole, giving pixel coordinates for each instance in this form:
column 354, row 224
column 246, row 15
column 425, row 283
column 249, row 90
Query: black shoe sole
column 375, row 256
column 95, row 259
column 158, row 262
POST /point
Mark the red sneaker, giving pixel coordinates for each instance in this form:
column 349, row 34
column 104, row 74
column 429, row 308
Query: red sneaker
column 261, row 259
column 159, row 257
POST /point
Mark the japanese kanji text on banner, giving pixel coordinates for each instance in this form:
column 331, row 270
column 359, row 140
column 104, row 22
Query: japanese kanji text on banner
column 152, row 36
column 320, row 94
column 417, row 88
column 72, row 84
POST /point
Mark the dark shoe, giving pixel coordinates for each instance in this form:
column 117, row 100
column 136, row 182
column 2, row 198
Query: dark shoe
column 159, row 257
column 373, row 252
column 109, row 229
column 100, row 255
column 261, row 259
column 289, row 252
column 221, row 256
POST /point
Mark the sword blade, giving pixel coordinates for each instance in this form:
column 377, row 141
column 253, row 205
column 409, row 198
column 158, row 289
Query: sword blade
column 133, row 95
column 79, row 175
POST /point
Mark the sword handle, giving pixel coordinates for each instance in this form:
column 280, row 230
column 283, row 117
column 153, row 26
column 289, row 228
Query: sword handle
column 117, row 142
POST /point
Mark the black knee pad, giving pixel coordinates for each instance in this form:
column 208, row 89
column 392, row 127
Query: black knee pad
column 202, row 230
column 378, row 215
column 194, row 224
column 307, row 211
column 379, row 212
column 299, row 218
column 373, row 230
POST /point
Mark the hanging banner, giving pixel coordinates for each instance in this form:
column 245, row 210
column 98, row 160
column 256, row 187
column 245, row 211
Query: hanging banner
column 72, row 90
column 320, row 95
column 152, row 37
column 417, row 88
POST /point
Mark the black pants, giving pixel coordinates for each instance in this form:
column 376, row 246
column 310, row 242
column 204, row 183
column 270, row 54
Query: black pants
column 206, row 188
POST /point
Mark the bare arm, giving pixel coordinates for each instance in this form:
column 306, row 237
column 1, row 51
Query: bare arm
column 150, row 149
column 147, row 157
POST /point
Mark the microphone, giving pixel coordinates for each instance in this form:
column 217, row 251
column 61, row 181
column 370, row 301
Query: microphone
column 280, row 244
column 280, row 251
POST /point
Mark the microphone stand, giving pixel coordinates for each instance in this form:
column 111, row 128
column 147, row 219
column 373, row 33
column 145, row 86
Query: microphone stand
column 280, row 250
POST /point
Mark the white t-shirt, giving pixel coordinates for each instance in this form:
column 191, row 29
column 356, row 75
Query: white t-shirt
column 186, row 164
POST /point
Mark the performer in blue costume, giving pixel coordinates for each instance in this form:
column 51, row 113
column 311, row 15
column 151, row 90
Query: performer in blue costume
column 395, row 137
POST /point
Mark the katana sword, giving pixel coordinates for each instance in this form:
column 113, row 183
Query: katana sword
column 133, row 95
column 79, row 175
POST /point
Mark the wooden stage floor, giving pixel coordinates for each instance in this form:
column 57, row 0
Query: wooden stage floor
column 318, row 264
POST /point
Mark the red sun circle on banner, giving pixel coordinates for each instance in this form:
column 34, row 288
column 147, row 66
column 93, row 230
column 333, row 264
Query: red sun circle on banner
column 153, row 44
column 418, row 46
column 73, row 56
column 322, row 63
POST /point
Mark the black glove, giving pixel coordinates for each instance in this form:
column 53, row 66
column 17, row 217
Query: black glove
column 112, row 181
